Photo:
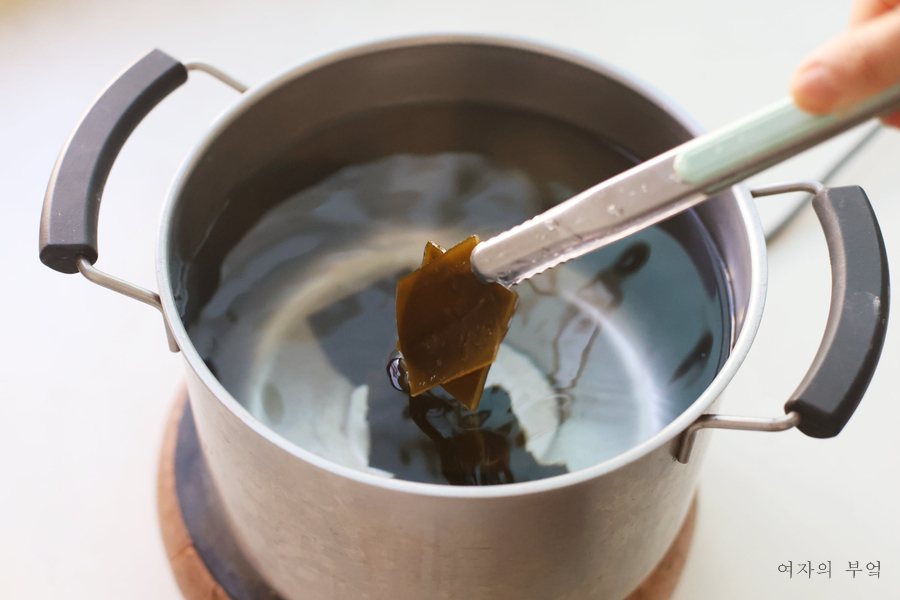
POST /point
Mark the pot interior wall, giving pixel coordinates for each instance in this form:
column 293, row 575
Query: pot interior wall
column 556, row 121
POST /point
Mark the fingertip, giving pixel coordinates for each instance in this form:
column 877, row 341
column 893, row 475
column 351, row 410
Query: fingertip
column 814, row 88
column 892, row 120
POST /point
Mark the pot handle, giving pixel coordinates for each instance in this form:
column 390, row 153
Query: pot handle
column 68, row 234
column 72, row 202
column 857, row 321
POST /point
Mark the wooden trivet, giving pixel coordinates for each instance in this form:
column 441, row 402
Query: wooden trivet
column 206, row 561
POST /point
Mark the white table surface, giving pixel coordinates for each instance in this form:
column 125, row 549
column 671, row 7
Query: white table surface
column 88, row 380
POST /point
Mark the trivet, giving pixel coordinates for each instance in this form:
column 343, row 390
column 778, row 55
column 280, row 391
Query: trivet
column 207, row 562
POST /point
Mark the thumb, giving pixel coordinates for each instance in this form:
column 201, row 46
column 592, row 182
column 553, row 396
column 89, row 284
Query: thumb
column 852, row 67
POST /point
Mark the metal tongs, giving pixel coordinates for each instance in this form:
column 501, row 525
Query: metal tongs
column 664, row 186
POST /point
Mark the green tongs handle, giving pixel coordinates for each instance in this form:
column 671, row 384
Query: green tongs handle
column 766, row 137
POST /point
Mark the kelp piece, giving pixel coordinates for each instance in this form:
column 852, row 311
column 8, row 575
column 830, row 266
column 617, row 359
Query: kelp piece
column 450, row 325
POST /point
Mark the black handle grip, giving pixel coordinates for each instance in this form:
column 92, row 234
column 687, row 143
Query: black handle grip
column 857, row 319
column 72, row 203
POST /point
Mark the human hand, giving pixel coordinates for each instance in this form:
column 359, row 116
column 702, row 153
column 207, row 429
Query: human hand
column 856, row 65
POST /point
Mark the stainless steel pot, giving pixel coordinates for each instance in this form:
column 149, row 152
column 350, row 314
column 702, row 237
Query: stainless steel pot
column 315, row 529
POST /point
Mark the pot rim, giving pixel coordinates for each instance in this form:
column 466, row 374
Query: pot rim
column 749, row 217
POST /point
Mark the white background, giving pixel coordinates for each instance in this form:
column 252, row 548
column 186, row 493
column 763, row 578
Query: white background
column 87, row 379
